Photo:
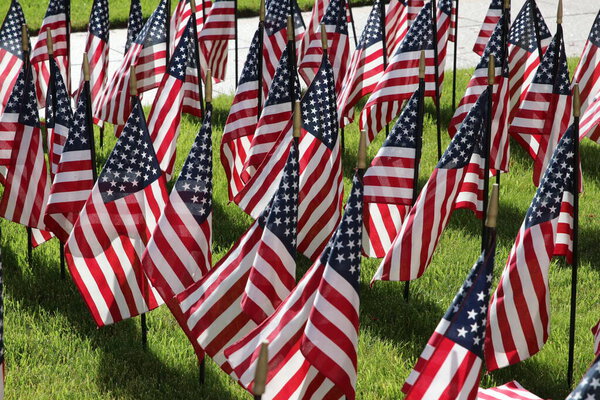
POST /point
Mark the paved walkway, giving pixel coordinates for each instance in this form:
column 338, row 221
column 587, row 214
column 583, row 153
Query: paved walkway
column 578, row 18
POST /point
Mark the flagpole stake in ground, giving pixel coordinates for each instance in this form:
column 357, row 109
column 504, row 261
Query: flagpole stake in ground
column 492, row 70
column 362, row 151
column 262, row 368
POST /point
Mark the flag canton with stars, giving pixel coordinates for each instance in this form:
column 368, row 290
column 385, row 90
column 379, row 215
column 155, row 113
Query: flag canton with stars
column 194, row 184
column 345, row 248
column 319, row 112
column 282, row 215
column 10, row 33
column 250, row 70
column 279, row 92
column 445, row 6
column 462, row 146
column 183, row 52
column 557, row 179
column 420, row 34
column 496, row 4
column 494, row 47
column 134, row 24
column 336, row 15
column 99, row 20
column 404, row 133
column 58, row 109
column 594, row 36
column 373, row 31
column 523, row 30
column 154, row 31
column 22, row 100
column 468, row 313
column 276, row 15
column 56, row 7
column 79, row 133
column 550, row 73
column 589, row 387
column 132, row 165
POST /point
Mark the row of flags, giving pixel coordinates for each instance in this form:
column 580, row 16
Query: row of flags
column 131, row 246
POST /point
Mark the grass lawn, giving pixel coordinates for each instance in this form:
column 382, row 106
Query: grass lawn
column 119, row 11
column 55, row 351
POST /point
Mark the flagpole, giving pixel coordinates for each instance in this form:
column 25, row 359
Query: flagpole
column 437, row 79
column 261, row 31
column 418, row 145
column 260, row 374
column 384, row 46
column 197, row 54
column 455, row 57
column 486, row 146
column 235, row 15
column 575, row 259
column 352, row 22
column 25, row 48
column 291, row 36
column 68, row 11
column 538, row 39
column 505, row 66
column 88, row 117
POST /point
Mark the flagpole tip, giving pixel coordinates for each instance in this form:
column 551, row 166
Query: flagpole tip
column 262, row 368
column 24, row 38
column 492, row 70
column 362, row 151
column 576, row 102
column 86, row 68
column 132, row 81
column 290, row 29
column 261, row 14
column 506, row 4
column 49, row 44
column 297, row 119
column 208, row 85
column 324, row 37
column 422, row 65
column 193, row 6
column 559, row 13
column 492, row 211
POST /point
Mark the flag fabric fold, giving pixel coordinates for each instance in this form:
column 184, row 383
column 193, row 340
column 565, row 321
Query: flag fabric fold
column 58, row 116
column 493, row 15
column 399, row 16
column 587, row 73
column 217, row 30
column 589, row 387
column 11, row 53
column 511, row 390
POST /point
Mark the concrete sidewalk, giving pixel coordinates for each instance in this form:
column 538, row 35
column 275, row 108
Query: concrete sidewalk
column 577, row 22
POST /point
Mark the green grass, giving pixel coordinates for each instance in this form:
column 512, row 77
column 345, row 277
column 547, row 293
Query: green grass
column 119, row 11
column 55, row 351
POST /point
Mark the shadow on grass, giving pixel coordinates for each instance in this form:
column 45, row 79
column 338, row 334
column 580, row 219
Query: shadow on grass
column 125, row 368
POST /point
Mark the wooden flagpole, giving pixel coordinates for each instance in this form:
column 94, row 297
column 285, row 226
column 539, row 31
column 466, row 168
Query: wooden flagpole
column 261, row 31
column 418, row 145
column 455, row 56
column 437, row 79
column 260, row 374
column 575, row 260
column 25, row 48
column 197, row 55
column 486, row 146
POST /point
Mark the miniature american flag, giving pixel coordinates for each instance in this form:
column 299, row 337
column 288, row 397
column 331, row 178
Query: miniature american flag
column 587, row 73
column 218, row 29
column 58, row 116
column 11, row 54
column 134, row 23
column 589, row 387
column 492, row 17
column 518, row 322
column 509, row 391
column 105, row 247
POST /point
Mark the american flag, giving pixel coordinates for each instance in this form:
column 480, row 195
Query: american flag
column 74, row 178
column 401, row 77
column 399, row 17
column 275, row 115
column 241, row 122
column 589, row 387
column 389, row 182
column 313, row 334
column 511, row 390
column 413, row 248
column 218, row 29
column 336, row 25
column 11, row 53
column 148, row 54
column 320, row 168
column 545, row 112
column 518, row 321
column 58, row 116
column 210, row 310
column 275, row 35
column 587, row 73
column 57, row 19
column 499, row 141
column 27, row 184
column 179, row 252
column 96, row 48
column 105, row 247
column 134, row 23
column 453, row 22
column 490, row 21
column 523, row 54
column 164, row 119
column 318, row 11
column 588, row 124
column 450, row 365
column 366, row 66
column 596, row 333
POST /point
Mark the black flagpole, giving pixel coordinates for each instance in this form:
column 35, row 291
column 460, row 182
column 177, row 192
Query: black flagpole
column 437, row 79
column 536, row 24
column 291, row 45
column 352, row 22
column 68, row 10
column 235, row 14
column 455, row 56
column 418, row 145
column 261, row 32
column 505, row 66
column 197, row 54
column 486, row 146
column 575, row 260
